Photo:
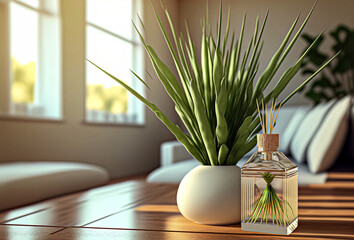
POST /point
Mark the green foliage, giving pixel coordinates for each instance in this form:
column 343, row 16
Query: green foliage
column 338, row 80
column 23, row 80
column 216, row 97
column 101, row 98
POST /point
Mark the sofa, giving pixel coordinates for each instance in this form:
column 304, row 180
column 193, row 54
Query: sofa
column 311, row 137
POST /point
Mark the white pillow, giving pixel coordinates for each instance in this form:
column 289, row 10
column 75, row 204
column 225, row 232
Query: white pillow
column 306, row 130
column 329, row 139
column 292, row 123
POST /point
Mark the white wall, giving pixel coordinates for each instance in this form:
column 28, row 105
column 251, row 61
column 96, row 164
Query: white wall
column 121, row 150
column 328, row 13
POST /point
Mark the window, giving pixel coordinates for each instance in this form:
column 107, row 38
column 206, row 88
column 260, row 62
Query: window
column 112, row 43
column 30, row 58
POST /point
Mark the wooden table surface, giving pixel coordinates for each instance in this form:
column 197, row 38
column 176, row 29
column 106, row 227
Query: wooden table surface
column 138, row 210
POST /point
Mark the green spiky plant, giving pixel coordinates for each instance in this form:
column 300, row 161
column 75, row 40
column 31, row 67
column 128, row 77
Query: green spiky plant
column 216, row 98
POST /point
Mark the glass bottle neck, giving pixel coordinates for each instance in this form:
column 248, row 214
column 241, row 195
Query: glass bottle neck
column 267, row 155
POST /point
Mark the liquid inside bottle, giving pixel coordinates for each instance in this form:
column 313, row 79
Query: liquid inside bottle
column 269, row 185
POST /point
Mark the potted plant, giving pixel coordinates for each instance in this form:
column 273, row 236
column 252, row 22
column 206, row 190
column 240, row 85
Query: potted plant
column 215, row 99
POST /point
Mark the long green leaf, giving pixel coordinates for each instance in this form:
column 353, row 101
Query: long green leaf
column 310, row 78
column 203, row 123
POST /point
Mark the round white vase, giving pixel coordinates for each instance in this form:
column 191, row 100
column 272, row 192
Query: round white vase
column 211, row 195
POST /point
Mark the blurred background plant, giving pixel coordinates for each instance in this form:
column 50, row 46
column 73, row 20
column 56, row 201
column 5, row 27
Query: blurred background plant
column 24, row 76
column 111, row 99
column 337, row 80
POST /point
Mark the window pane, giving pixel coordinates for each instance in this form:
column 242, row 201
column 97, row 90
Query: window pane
column 24, row 48
column 115, row 56
column 32, row 3
column 34, row 46
column 112, row 15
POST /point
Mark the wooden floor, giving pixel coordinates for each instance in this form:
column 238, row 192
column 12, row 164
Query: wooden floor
column 137, row 210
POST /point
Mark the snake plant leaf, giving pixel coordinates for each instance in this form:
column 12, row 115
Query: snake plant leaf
column 291, row 44
column 245, row 148
column 205, row 67
column 290, row 73
column 166, row 72
column 310, row 78
column 264, row 78
column 140, row 79
column 257, row 39
column 244, row 126
column 203, row 124
column 232, row 69
column 221, row 131
column 170, row 84
column 174, row 56
column 226, row 36
column 237, row 147
column 217, row 70
column 179, row 50
column 241, row 40
column 219, row 27
column 255, row 123
column 223, row 151
column 192, row 129
column 169, row 44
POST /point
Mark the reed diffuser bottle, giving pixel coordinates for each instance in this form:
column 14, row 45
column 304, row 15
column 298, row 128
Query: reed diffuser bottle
column 269, row 185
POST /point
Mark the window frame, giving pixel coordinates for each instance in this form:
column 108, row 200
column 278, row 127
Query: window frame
column 136, row 115
column 6, row 71
column 7, row 107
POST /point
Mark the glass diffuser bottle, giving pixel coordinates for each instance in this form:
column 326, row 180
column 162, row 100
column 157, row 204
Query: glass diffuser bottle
column 269, row 186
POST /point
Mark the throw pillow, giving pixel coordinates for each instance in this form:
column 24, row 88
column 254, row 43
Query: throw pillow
column 306, row 130
column 329, row 139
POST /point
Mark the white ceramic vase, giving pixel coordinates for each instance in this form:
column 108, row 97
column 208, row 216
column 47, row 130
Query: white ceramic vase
column 211, row 195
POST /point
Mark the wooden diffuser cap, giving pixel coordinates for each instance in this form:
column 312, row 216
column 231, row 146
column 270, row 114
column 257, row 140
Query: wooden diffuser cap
column 268, row 142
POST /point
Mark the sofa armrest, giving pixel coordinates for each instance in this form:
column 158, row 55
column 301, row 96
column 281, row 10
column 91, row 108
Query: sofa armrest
column 172, row 152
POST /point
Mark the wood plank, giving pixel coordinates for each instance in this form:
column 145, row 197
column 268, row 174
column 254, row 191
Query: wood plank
column 340, row 175
column 325, row 198
column 326, row 191
column 334, row 184
column 138, row 210
column 13, row 232
column 326, row 204
column 79, row 213
column 168, row 218
column 72, row 199
column 93, row 234
column 326, row 212
column 340, row 219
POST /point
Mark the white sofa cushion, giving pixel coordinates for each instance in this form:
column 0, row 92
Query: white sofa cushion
column 329, row 139
column 292, row 124
column 173, row 173
column 306, row 130
column 23, row 183
column 172, row 152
